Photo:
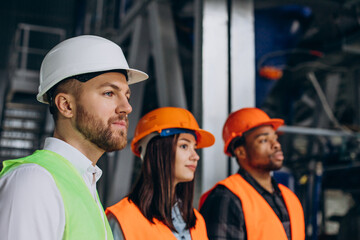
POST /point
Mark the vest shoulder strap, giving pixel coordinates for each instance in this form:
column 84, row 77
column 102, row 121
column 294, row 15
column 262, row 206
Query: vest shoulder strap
column 135, row 226
column 296, row 213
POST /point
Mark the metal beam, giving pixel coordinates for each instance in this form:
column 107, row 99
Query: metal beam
column 314, row 131
column 242, row 59
column 127, row 22
column 215, row 75
column 169, row 77
column 242, row 54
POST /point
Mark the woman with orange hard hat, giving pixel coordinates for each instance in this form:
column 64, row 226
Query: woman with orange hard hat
column 160, row 204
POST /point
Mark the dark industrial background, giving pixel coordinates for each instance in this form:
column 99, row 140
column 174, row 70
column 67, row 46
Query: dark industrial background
column 307, row 71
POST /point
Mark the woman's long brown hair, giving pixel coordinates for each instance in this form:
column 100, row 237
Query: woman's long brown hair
column 153, row 190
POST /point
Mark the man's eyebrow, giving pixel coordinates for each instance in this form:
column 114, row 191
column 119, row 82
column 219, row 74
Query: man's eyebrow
column 261, row 134
column 114, row 86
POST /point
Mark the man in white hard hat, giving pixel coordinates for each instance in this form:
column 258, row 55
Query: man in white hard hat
column 51, row 194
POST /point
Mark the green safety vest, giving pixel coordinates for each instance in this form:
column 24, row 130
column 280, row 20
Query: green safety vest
column 82, row 216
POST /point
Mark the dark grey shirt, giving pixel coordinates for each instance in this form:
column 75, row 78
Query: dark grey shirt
column 224, row 216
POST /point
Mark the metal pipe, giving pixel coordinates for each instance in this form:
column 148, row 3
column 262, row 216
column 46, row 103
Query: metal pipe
column 316, row 131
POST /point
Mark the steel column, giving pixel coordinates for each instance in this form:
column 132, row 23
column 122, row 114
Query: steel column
column 242, row 59
column 215, row 76
column 169, row 77
column 228, row 75
column 242, row 54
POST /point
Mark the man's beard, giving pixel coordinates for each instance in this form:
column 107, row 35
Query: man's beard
column 100, row 134
column 271, row 166
column 268, row 165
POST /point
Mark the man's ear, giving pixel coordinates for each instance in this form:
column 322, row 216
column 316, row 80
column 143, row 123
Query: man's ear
column 64, row 104
column 240, row 152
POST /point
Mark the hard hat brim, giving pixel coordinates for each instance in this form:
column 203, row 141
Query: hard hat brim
column 135, row 76
column 205, row 138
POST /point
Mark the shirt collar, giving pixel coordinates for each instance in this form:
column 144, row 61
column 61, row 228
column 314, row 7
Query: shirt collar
column 74, row 156
column 256, row 185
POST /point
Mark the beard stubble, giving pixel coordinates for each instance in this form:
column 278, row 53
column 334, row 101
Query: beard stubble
column 100, row 134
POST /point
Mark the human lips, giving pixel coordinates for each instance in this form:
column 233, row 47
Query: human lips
column 191, row 167
column 120, row 123
column 278, row 155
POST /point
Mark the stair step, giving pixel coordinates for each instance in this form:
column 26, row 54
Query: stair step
column 18, row 135
column 24, row 106
column 23, row 114
column 16, row 143
column 21, row 124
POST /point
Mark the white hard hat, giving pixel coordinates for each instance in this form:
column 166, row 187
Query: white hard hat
column 80, row 55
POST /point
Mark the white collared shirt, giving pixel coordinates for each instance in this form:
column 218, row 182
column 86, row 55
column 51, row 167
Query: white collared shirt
column 31, row 206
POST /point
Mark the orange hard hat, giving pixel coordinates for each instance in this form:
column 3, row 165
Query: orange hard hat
column 242, row 121
column 169, row 118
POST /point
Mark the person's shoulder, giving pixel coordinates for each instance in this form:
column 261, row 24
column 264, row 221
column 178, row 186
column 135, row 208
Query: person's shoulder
column 32, row 197
column 124, row 205
column 30, row 186
column 27, row 171
column 219, row 195
column 220, row 204
column 28, row 178
column 220, row 190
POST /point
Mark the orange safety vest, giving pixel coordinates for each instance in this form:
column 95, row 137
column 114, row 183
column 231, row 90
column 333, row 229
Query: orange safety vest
column 260, row 219
column 135, row 226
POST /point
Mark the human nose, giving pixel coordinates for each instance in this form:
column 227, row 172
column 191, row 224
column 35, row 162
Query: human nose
column 123, row 105
column 195, row 156
column 275, row 143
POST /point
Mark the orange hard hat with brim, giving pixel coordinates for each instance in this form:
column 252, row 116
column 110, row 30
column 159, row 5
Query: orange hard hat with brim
column 244, row 120
column 169, row 118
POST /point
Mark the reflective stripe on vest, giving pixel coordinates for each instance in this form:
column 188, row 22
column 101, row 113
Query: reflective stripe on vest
column 82, row 216
column 135, row 226
column 260, row 219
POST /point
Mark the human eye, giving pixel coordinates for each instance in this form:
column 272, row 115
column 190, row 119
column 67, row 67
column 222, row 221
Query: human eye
column 109, row 93
column 183, row 146
column 263, row 140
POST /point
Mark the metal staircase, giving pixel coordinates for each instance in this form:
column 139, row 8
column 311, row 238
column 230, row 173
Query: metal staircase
column 22, row 128
column 23, row 119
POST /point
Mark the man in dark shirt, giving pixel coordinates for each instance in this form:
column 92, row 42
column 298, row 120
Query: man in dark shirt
column 235, row 208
